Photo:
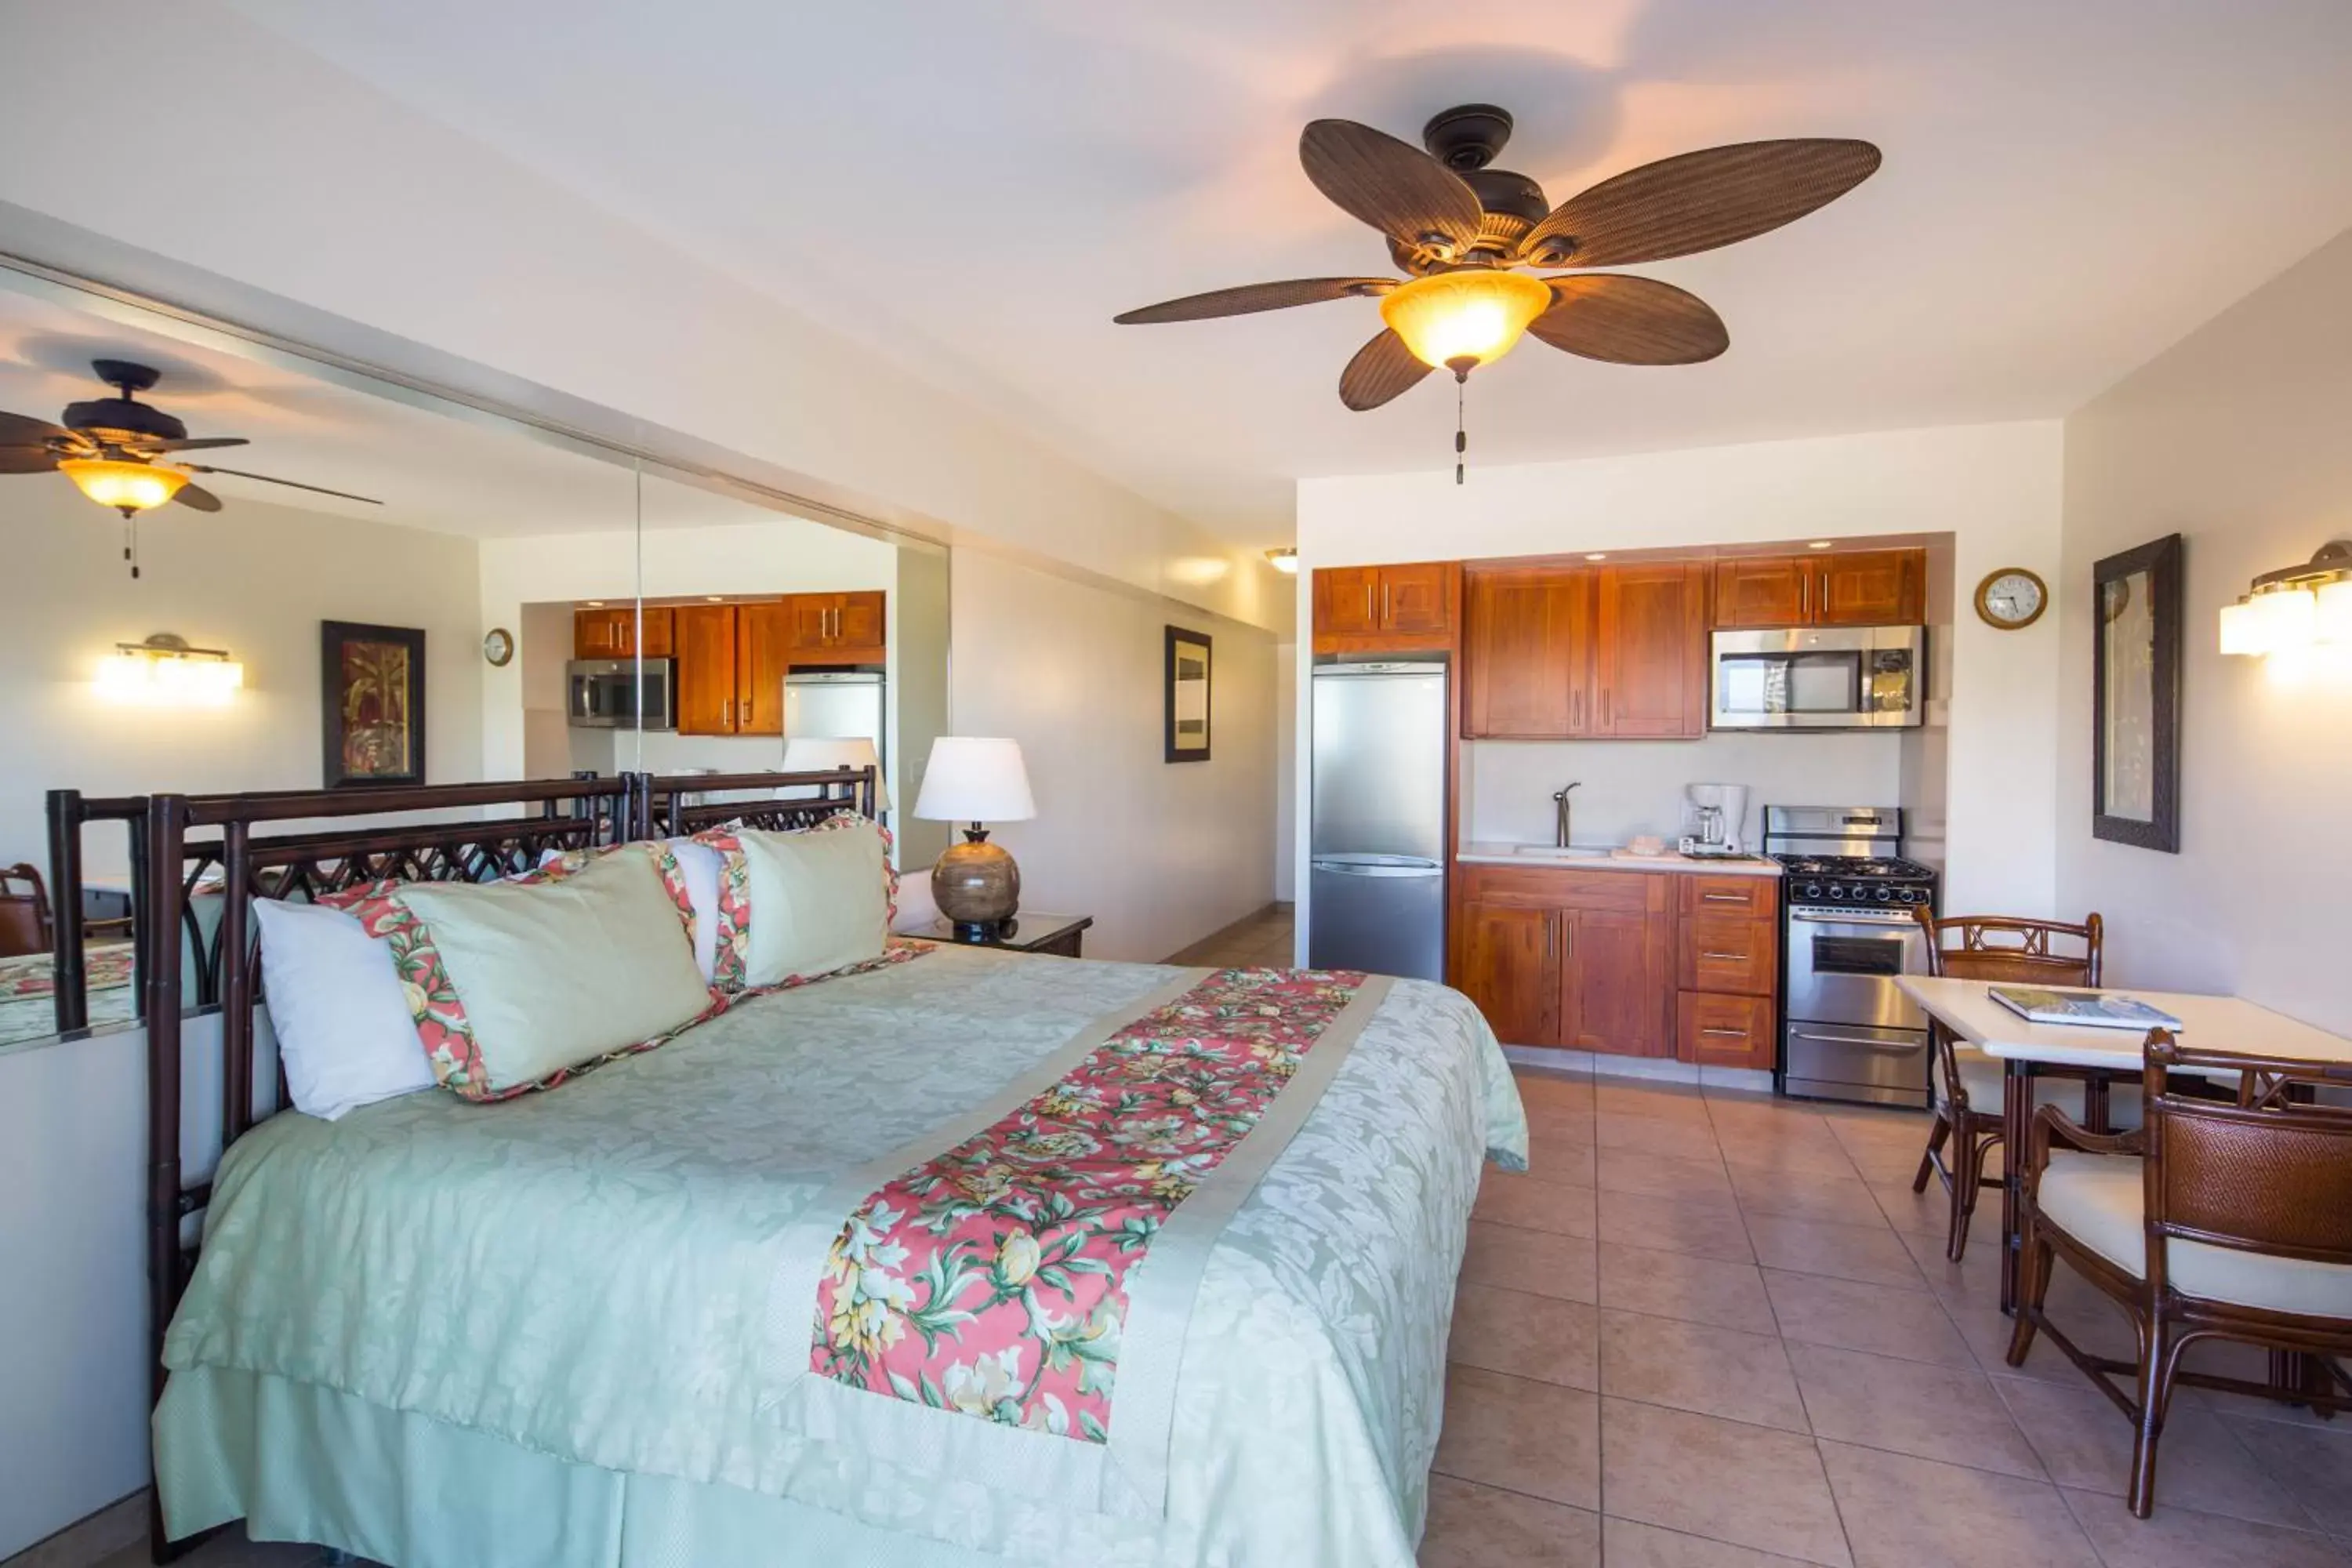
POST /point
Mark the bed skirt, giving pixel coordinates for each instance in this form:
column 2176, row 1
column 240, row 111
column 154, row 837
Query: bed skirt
column 300, row 1462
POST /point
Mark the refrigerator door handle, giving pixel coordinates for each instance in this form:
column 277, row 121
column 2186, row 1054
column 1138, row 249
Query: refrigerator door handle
column 1359, row 868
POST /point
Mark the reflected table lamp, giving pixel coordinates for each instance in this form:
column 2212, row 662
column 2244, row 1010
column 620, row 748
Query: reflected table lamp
column 829, row 753
column 975, row 779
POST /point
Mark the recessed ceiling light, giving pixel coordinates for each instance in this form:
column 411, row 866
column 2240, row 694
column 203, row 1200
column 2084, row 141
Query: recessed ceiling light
column 1285, row 561
column 595, row 604
column 1821, row 544
column 1598, row 555
column 716, row 598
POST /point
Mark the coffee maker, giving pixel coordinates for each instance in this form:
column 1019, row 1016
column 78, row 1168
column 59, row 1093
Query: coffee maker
column 1715, row 819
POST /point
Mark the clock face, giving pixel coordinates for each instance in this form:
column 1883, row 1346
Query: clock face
column 2012, row 598
column 499, row 646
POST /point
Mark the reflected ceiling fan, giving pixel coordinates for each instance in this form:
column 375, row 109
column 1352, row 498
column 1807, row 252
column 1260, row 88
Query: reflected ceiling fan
column 1462, row 231
column 109, row 448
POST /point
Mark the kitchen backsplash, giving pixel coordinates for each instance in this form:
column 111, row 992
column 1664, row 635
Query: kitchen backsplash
column 1631, row 787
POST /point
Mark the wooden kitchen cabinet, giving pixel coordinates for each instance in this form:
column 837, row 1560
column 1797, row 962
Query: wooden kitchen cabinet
column 1727, row 971
column 1407, row 608
column 1527, row 654
column 1565, row 958
column 705, row 636
column 1510, row 967
column 1725, row 1031
column 1857, row 588
column 1649, row 650
column 611, row 632
column 834, row 629
column 1615, row 982
column 763, row 655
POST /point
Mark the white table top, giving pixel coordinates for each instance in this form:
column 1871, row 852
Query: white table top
column 2207, row 1023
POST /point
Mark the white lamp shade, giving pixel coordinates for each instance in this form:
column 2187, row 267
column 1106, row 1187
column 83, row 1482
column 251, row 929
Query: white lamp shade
column 975, row 778
column 825, row 753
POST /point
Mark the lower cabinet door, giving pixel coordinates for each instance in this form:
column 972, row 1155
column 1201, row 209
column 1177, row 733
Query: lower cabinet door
column 1725, row 1031
column 1614, row 985
column 1510, row 968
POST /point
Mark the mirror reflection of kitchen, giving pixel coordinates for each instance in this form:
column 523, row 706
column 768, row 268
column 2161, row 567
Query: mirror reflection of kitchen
column 404, row 598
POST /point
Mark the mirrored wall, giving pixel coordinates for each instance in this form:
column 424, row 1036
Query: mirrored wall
column 362, row 587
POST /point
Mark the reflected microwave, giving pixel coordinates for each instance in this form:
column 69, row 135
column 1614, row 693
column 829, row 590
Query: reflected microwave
column 604, row 694
column 1818, row 677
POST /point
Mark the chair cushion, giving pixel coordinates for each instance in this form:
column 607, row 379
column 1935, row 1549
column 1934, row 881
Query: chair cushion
column 2097, row 1199
column 1980, row 1080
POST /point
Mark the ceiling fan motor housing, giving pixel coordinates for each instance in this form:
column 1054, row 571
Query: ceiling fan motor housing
column 124, row 416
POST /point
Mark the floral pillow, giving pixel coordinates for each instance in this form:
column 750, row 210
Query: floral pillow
column 735, row 902
column 442, row 1027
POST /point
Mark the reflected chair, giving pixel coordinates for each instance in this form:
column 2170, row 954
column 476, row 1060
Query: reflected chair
column 1969, row 1083
column 25, row 919
column 2215, row 1219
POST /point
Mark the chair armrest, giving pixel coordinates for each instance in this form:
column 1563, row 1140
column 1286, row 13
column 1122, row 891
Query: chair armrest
column 2053, row 1126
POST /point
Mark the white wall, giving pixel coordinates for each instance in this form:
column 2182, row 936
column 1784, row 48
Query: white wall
column 253, row 578
column 1994, row 488
column 2240, row 438
column 1286, row 774
column 1161, row 854
column 1629, row 787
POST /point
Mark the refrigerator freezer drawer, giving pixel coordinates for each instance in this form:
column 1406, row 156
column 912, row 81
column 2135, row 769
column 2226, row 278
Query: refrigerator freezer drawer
column 1381, row 913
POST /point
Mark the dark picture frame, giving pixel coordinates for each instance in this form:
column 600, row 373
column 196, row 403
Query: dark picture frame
column 371, row 705
column 1189, row 672
column 2136, row 656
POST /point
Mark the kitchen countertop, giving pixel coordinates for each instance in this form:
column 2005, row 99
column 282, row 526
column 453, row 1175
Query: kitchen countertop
column 1618, row 860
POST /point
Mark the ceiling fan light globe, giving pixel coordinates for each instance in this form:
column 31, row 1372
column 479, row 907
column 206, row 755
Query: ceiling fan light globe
column 1476, row 314
column 127, row 487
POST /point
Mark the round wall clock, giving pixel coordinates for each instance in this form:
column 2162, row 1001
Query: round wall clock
column 499, row 646
column 2012, row 598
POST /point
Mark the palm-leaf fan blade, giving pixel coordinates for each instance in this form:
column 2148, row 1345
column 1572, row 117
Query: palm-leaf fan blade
column 1395, row 187
column 1380, row 370
column 1698, row 201
column 1251, row 298
column 1630, row 320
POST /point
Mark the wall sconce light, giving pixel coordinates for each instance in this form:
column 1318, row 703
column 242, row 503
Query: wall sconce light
column 165, row 672
column 2294, row 608
column 1285, row 561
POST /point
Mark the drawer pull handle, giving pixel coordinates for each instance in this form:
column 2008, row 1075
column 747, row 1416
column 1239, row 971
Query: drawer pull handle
column 1733, row 957
column 1723, row 898
column 1740, row 1034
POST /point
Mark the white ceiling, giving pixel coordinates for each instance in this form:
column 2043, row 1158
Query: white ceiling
column 2069, row 187
column 428, row 469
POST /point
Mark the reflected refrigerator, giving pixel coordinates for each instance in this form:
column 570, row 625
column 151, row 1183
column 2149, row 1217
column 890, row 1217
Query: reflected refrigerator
column 1376, row 831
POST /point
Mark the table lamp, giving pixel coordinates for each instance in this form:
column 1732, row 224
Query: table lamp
column 975, row 779
column 830, row 753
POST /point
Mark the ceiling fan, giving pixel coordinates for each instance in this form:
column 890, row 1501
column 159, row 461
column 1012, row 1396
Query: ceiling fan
column 1461, row 230
column 109, row 448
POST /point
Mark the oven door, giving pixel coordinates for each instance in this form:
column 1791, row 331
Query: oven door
column 1843, row 964
column 1844, row 1061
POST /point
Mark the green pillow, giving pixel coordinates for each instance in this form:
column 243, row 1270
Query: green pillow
column 818, row 903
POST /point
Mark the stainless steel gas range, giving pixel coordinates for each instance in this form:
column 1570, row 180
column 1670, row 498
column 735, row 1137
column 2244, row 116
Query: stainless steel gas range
column 1846, row 898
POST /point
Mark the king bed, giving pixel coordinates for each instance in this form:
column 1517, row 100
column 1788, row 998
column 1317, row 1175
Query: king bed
column 950, row 1256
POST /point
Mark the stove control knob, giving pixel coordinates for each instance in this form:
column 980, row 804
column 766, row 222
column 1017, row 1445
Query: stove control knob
column 1881, row 894
column 1812, row 893
column 1836, row 891
column 1909, row 895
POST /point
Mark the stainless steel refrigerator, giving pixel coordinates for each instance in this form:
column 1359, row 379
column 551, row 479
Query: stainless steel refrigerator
column 1376, row 891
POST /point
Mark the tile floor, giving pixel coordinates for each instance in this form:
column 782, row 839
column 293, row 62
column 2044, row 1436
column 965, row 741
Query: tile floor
column 1262, row 940
column 1718, row 1330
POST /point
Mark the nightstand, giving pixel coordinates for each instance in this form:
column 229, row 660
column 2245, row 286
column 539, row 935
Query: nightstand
column 1056, row 934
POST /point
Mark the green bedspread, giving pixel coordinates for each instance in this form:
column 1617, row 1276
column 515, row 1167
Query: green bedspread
column 588, row 1274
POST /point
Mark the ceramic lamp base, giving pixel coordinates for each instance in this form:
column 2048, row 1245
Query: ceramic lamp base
column 976, row 884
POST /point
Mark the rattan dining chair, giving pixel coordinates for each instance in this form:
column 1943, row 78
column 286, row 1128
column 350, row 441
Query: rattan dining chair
column 1968, row 1102
column 2214, row 1219
column 24, row 911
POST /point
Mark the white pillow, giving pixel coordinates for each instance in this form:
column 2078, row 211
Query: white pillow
column 700, row 865
column 917, row 908
column 341, row 1016
column 818, row 903
column 552, row 975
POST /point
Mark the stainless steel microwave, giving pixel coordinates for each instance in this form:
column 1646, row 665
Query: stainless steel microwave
column 1818, row 677
column 604, row 694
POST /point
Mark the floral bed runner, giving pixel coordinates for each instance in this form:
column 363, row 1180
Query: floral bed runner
column 35, row 973
column 1009, row 1283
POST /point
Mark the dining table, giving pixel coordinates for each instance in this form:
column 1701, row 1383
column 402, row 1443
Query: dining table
column 2027, row 1050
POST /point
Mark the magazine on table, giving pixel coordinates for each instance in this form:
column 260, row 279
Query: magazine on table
column 2100, row 1010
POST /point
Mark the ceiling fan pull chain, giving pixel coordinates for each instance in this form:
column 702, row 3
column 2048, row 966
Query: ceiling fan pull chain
column 1461, row 441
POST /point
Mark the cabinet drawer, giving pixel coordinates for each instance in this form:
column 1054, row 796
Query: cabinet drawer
column 1546, row 886
column 1728, row 953
column 1755, row 898
column 1725, row 1031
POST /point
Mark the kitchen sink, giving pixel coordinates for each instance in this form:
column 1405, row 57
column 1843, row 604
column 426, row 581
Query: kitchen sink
column 1554, row 852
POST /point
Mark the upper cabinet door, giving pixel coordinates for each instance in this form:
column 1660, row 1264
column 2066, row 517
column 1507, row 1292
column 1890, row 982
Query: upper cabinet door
column 1652, row 651
column 660, row 640
column 1526, row 652
column 1870, row 588
column 604, row 634
column 858, row 621
column 762, row 657
column 1347, row 600
column 1414, row 599
column 705, row 634
column 1762, row 590
column 808, row 620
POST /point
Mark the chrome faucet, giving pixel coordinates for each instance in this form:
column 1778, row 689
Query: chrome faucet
column 1559, row 801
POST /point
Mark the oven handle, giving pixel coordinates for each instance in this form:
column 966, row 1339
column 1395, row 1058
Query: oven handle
column 1887, row 1047
column 1853, row 917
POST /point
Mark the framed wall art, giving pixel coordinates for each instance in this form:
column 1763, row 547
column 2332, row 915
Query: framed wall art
column 2136, row 697
column 372, row 704
column 1187, row 696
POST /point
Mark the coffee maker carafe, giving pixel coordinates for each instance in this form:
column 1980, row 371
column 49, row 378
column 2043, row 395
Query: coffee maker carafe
column 1715, row 819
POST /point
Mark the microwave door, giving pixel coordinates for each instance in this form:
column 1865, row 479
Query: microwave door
column 1824, row 682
